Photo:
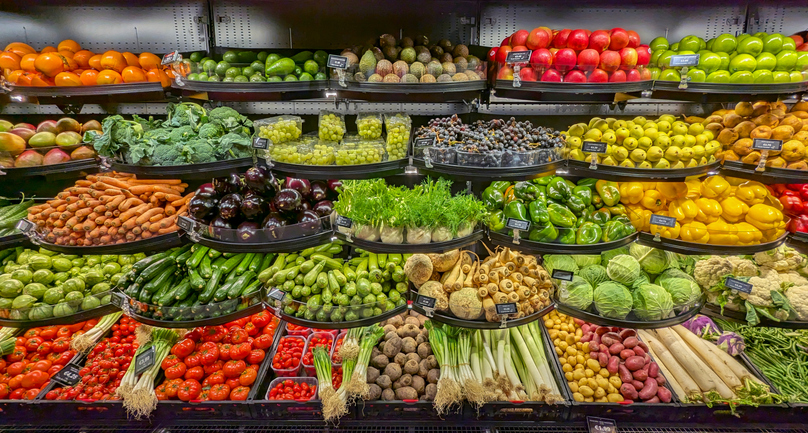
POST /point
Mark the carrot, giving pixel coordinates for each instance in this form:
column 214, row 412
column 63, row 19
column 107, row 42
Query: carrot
column 83, row 183
column 104, row 240
column 173, row 197
column 117, row 183
column 97, row 194
column 148, row 214
column 154, row 200
column 165, row 189
column 45, row 213
column 182, row 201
column 141, row 189
column 156, row 218
column 130, row 237
column 78, row 191
column 104, row 186
column 128, row 225
column 72, row 207
column 128, row 203
column 83, row 212
column 182, row 210
column 71, row 222
column 100, row 209
column 156, row 181
column 168, row 229
column 154, row 227
column 65, row 216
column 135, row 211
column 114, row 203
column 103, row 231
column 116, row 222
column 116, row 213
column 96, row 232
column 146, row 234
column 159, row 195
column 89, row 225
column 136, row 231
column 59, row 224
column 170, row 210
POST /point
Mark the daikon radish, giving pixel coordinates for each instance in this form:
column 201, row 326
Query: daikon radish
column 719, row 366
column 677, row 388
column 690, row 388
column 706, row 379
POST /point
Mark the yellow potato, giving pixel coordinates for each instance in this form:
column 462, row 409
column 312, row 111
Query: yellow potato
column 566, row 367
column 616, row 382
column 556, row 326
column 572, row 360
column 602, row 382
column 612, row 397
column 604, row 373
column 574, row 386
column 568, row 375
column 571, row 350
column 585, row 347
column 600, row 393
column 562, row 345
column 592, row 383
column 558, row 350
column 579, row 359
column 578, row 374
column 579, row 367
column 582, row 381
column 593, row 365
column 602, row 400
column 586, row 391
column 549, row 323
column 589, row 373
column 589, row 399
column 579, row 332
column 611, row 389
column 577, row 396
column 570, row 339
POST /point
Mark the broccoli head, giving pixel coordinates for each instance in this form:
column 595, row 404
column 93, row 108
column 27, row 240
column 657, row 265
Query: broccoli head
column 198, row 151
column 211, row 130
column 229, row 118
column 183, row 133
column 186, row 114
column 167, row 154
column 234, row 145
column 160, row 135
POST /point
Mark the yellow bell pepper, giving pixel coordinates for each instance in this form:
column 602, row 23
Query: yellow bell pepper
column 764, row 217
column 631, row 192
column 647, row 186
column 640, row 218
column 748, row 234
column 672, row 190
column 733, row 210
column 752, row 193
column 693, row 189
column 774, row 234
column 722, row 233
column 695, row 232
column 683, row 209
column 653, row 201
column 715, row 187
column 709, row 210
column 665, row 232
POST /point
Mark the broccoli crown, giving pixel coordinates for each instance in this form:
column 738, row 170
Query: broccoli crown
column 186, row 114
column 198, row 151
column 160, row 134
column 234, row 145
column 229, row 118
column 183, row 133
column 167, row 154
column 211, row 130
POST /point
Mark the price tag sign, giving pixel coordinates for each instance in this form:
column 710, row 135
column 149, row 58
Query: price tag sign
column 425, row 301
column 337, row 62
column 25, row 226
column 171, row 57
column 562, row 275
column 276, row 294
column 518, row 57
column 144, row 360
column 343, row 221
column 424, row 141
column 738, row 285
column 767, row 144
column 505, row 309
column 117, row 300
column 260, row 143
column 186, row 224
column 517, row 224
column 685, row 60
column 67, row 376
column 662, row 220
column 593, row 147
column 601, row 425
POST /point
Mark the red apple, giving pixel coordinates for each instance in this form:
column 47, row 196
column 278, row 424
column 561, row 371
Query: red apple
column 798, row 40
column 645, row 74
column 633, row 39
column 619, row 39
column 549, row 32
column 538, row 38
column 599, row 40
column 618, row 77
column 560, row 39
column 492, row 55
column 506, row 41
column 803, row 47
column 575, row 76
column 541, row 58
column 551, row 75
column 553, row 51
column 565, row 59
column 528, row 74
column 505, row 73
column 628, row 58
column 519, row 38
column 632, row 75
column 609, row 60
column 598, row 76
column 502, row 53
column 519, row 48
column 578, row 40
column 643, row 55
column 588, row 59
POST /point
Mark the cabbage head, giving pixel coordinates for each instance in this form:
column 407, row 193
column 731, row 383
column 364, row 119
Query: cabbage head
column 652, row 260
column 683, row 291
column 642, row 279
column 671, row 274
column 594, row 274
column 560, row 261
column 612, row 300
column 624, row 269
column 584, row 260
column 652, row 302
column 608, row 255
column 576, row 293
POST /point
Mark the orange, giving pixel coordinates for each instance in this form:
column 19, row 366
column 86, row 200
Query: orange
column 131, row 59
column 9, row 60
column 157, row 75
column 149, row 61
column 83, row 58
column 20, row 48
column 109, row 76
column 69, row 45
column 113, row 60
column 48, row 49
column 133, row 74
column 27, row 62
column 14, row 76
column 67, row 79
column 89, row 77
column 95, row 62
column 50, row 64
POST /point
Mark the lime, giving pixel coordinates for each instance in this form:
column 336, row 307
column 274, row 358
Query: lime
column 203, row 60
column 321, row 75
column 674, row 46
column 241, row 79
column 192, row 77
column 228, row 80
column 781, row 77
column 725, row 43
column 274, row 79
column 197, row 56
column 659, row 43
column 221, row 68
column 306, row 76
column 762, row 76
column 311, row 67
column 209, row 66
column 230, row 57
column 766, row 61
column 290, row 77
column 741, row 77
column 759, row 35
column 248, row 71
column 214, row 78
column 262, row 56
column 232, row 72
column 773, row 43
column 257, row 65
column 202, row 77
column 257, row 78
column 786, row 60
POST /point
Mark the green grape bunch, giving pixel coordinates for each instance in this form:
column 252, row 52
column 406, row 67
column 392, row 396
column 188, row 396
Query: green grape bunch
column 282, row 131
column 357, row 154
column 369, row 126
column 331, row 127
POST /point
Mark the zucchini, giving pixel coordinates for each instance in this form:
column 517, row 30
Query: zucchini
column 306, row 266
column 373, row 268
column 339, row 276
column 311, row 276
column 141, row 265
column 333, row 283
column 144, row 296
column 196, row 257
column 231, row 263
column 245, row 262
column 171, row 296
column 266, row 262
column 213, row 283
column 206, row 268
column 251, row 288
column 329, row 262
column 154, row 269
column 184, row 292
column 183, row 258
column 300, row 261
column 349, row 273
column 163, row 278
column 188, row 302
column 180, row 250
column 197, row 282
column 382, row 260
column 255, row 264
column 162, row 290
column 279, row 264
column 220, row 294
column 238, row 286
column 213, row 254
column 362, row 269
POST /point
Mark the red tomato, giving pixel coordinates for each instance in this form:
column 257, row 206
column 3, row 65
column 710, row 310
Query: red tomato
column 224, row 351
column 256, row 356
column 159, row 392
column 45, row 348
column 17, row 394
column 232, row 383
column 233, row 368
column 18, row 354
column 64, row 357
column 54, row 369
column 183, row 348
column 193, row 360
column 175, row 371
column 43, row 365
column 76, row 327
column 213, row 368
column 4, row 391
column 263, row 341
column 16, row 381
column 196, row 373
column 219, row 392
column 247, row 377
column 16, row 368
column 208, row 353
column 189, row 390
column 49, row 333
column 173, row 387
column 33, row 343
column 238, row 335
column 33, row 332
column 240, row 351
column 214, row 334
column 215, row 378
column 31, row 393
column 251, row 329
column 34, row 379
column 61, row 345
column 261, row 319
column 170, row 361
column 240, row 393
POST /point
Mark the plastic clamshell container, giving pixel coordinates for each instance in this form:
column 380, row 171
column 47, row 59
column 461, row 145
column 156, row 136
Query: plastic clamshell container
column 301, row 332
column 310, row 370
column 516, row 158
column 335, row 349
column 279, row 129
column 321, row 152
column 488, row 159
column 294, row 371
column 336, row 127
column 369, row 125
column 360, row 152
column 441, row 155
column 311, row 381
column 398, row 127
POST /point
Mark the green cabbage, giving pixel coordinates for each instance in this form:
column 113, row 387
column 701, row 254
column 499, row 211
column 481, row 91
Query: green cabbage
column 683, row 291
column 612, row 300
column 643, row 279
column 652, row 260
column 576, row 293
column 584, row 260
column 672, row 273
column 608, row 255
column 624, row 269
column 652, row 302
column 594, row 274
column 560, row 261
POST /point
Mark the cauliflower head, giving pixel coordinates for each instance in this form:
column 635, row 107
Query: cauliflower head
column 711, row 271
column 798, row 298
column 781, row 259
column 743, row 267
column 762, row 288
column 793, row 278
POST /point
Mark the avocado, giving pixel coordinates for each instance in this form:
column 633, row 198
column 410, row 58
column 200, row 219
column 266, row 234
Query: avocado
column 247, row 57
column 368, row 63
column 272, row 58
column 284, row 66
column 387, row 40
column 321, row 57
column 377, row 52
column 407, row 42
column 302, row 56
column 449, row 68
column 421, row 40
column 436, row 51
column 444, row 78
column 446, row 45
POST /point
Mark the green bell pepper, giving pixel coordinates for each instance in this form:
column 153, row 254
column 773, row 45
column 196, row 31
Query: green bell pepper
column 558, row 189
column 589, row 233
column 496, row 220
column 542, row 192
column 493, row 198
column 525, row 191
column 561, row 216
column 584, row 192
column 600, row 216
column 597, row 201
column 500, row 185
column 544, row 181
column 570, row 184
column 543, row 234
column 567, row 236
column 608, row 191
column 576, row 204
column 617, row 210
column 590, row 182
column 538, row 212
column 612, row 231
column 516, row 209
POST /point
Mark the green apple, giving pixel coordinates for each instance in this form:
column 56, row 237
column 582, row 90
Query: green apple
column 762, row 76
column 689, row 43
column 670, row 75
column 702, row 44
column 725, row 43
column 659, row 43
column 655, row 73
column 766, row 61
column 709, row 62
column 797, row 77
column 786, row 60
column 718, row 77
column 710, row 43
column 802, row 60
column 741, row 77
column 655, row 55
column 760, row 35
column 724, row 60
column 675, row 46
column 781, row 76
column 742, row 36
column 789, row 44
column 742, row 62
column 751, row 45
column 773, row 43
column 664, row 59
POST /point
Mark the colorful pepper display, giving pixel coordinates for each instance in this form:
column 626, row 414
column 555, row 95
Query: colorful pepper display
column 794, row 199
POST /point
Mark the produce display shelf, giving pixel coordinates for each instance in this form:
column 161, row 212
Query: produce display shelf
column 337, row 325
column 529, row 246
column 100, row 94
column 44, row 180
column 15, row 240
column 328, row 172
column 156, row 243
column 714, row 310
column 597, row 319
column 770, row 175
column 64, row 320
column 481, row 324
column 204, row 171
column 432, row 247
column 281, row 246
column 683, row 247
column 798, row 241
column 414, row 92
column 254, row 305
column 576, row 92
column 617, row 173
column 726, row 92
column 483, row 174
column 247, row 92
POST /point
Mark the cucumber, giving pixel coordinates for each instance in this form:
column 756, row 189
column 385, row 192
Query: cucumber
column 196, row 257
column 255, row 264
column 245, row 262
column 184, row 292
column 231, row 276
column 206, row 268
column 220, row 294
column 266, row 262
column 154, row 269
column 196, row 280
column 265, row 275
column 144, row 296
column 163, row 278
column 251, row 288
column 238, row 286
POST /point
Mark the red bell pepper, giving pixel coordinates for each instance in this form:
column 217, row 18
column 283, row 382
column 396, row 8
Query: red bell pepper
column 792, row 204
column 799, row 224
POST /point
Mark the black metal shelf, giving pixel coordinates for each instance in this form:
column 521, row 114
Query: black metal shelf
column 281, row 246
column 532, row 247
column 249, row 310
column 45, row 180
column 726, row 92
column 204, row 171
column 682, row 247
column 100, row 94
column 769, row 175
column 64, row 320
column 244, row 92
column 432, row 247
column 327, row 172
column 617, row 173
column 568, row 92
column 156, row 243
column 14, row 240
column 482, row 324
column 458, row 91
column 483, row 174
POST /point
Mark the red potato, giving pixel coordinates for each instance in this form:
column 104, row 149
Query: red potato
column 625, row 374
column 610, row 338
column 635, row 363
column 616, row 348
column 643, row 346
column 649, row 390
column 630, row 342
column 586, row 338
column 603, row 358
column 640, row 375
column 612, row 365
column 601, row 330
column 596, row 339
column 626, row 333
column 626, row 353
column 585, row 328
column 639, row 351
column 604, row 348
column 654, row 399
column 637, row 384
column 628, row 392
column 660, row 380
column 653, row 370
column 664, row 394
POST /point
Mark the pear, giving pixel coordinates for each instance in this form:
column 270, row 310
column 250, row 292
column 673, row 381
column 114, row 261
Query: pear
column 639, row 120
column 678, row 164
column 654, row 154
column 601, row 124
column 695, row 129
column 609, row 137
column 622, row 134
column 662, row 163
column 630, row 124
column 592, row 122
column 619, row 124
column 679, row 128
column 627, row 163
column 663, row 126
column 610, row 121
column 619, row 153
column 678, row 140
column 574, row 142
column 644, row 143
column 690, row 140
column 712, row 147
column 686, row 154
column 710, row 135
column 673, row 153
column 577, row 130
column 693, row 163
column 636, row 131
column 577, row 155
column 630, row 143
column 663, row 141
column 670, row 118
column 701, row 139
column 704, row 161
column 698, row 151
column 645, row 164
column 608, row 161
column 593, row 135
column 650, row 125
column 652, row 133
column 637, row 155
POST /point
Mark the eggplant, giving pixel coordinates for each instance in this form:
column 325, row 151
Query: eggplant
column 304, row 205
column 272, row 183
column 335, row 185
column 308, row 221
column 288, row 200
column 255, row 178
column 248, row 231
column 273, row 221
column 319, row 190
column 205, row 188
column 219, row 228
column 230, row 206
column 229, row 184
column 200, row 207
column 300, row 185
column 323, row 208
column 253, row 207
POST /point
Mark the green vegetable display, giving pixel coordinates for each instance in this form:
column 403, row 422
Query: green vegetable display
column 37, row 285
column 10, row 214
column 263, row 67
column 559, row 210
